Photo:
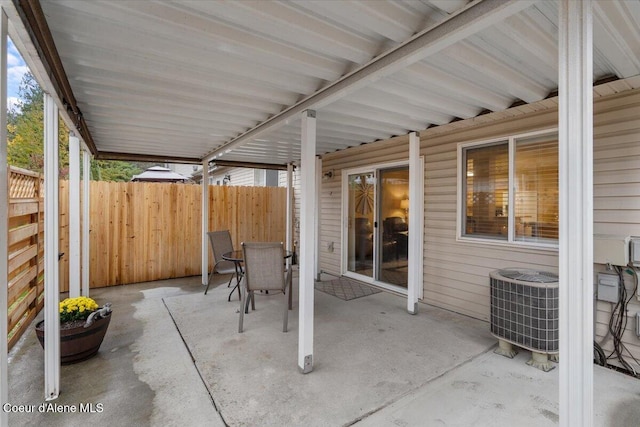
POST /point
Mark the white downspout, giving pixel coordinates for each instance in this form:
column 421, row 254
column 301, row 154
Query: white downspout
column 316, row 223
column 290, row 205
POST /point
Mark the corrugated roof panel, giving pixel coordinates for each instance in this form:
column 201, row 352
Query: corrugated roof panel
column 616, row 28
column 183, row 78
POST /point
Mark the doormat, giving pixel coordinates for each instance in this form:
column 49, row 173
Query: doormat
column 345, row 288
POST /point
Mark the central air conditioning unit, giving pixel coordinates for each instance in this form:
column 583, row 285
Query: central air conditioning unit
column 524, row 313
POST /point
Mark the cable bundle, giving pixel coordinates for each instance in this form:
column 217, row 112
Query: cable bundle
column 618, row 324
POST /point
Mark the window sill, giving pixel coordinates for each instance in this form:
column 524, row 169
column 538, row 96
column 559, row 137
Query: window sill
column 543, row 247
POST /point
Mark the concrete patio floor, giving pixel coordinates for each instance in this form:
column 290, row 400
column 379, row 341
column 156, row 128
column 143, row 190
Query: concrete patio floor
column 172, row 356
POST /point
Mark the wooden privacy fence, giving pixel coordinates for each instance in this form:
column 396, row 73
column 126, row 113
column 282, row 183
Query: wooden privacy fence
column 151, row 231
column 25, row 281
column 139, row 232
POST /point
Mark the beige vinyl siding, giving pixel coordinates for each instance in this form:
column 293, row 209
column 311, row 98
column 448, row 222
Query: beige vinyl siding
column 239, row 176
column 282, row 178
column 617, row 198
column 331, row 191
column 456, row 273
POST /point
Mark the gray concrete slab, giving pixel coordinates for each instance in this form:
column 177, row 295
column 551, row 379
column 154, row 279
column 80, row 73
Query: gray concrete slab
column 375, row 365
column 368, row 353
column 142, row 376
column 492, row 390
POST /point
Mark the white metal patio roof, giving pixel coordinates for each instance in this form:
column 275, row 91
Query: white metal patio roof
column 185, row 78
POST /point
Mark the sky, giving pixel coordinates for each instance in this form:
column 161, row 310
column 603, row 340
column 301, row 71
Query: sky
column 16, row 68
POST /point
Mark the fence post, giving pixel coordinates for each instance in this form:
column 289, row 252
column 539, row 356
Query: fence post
column 35, row 240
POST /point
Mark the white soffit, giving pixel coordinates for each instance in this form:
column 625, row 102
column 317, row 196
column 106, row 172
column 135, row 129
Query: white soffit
column 183, row 78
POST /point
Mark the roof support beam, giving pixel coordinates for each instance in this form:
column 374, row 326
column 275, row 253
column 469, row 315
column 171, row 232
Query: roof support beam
column 415, row 278
column 251, row 165
column 205, row 223
column 308, row 212
column 477, row 16
column 289, row 222
column 86, row 178
column 575, row 120
column 4, row 221
column 51, row 249
column 290, row 209
column 74, row 216
column 107, row 155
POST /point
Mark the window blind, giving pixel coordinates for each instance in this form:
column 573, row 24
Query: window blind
column 536, row 188
column 487, row 191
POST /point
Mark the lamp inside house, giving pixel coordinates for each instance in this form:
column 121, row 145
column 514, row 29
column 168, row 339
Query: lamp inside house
column 404, row 204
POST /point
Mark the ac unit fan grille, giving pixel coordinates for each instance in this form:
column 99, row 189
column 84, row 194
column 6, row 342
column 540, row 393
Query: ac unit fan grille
column 525, row 315
column 525, row 275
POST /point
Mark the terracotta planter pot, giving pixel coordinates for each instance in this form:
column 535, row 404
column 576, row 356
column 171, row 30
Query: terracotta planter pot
column 80, row 343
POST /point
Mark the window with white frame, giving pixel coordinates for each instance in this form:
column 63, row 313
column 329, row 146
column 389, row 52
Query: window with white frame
column 510, row 189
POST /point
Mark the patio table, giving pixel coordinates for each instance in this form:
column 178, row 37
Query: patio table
column 237, row 257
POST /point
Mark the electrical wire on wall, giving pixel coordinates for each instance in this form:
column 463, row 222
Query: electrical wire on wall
column 618, row 325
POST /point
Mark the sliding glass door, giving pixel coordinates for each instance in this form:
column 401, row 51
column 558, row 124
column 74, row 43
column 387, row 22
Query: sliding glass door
column 376, row 229
column 360, row 223
column 393, row 256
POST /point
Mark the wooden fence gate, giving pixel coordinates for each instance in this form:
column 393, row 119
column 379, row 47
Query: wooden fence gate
column 144, row 231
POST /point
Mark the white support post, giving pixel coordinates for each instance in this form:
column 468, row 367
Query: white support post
column 4, row 221
column 416, row 223
column 307, row 244
column 51, row 249
column 86, row 220
column 205, row 222
column 316, row 227
column 289, row 230
column 74, row 216
column 575, row 92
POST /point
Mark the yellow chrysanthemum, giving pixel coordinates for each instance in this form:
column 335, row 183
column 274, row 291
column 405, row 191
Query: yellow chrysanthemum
column 77, row 308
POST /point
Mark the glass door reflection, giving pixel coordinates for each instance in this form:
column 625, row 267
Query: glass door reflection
column 393, row 235
column 360, row 211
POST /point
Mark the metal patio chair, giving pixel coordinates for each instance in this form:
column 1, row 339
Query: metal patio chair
column 264, row 270
column 220, row 244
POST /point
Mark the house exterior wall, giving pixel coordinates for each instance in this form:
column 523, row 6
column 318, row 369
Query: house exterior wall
column 330, row 208
column 456, row 273
column 616, row 188
column 186, row 170
column 282, row 178
column 247, row 177
column 239, row 176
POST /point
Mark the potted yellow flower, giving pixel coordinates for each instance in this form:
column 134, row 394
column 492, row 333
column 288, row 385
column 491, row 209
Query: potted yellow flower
column 83, row 325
